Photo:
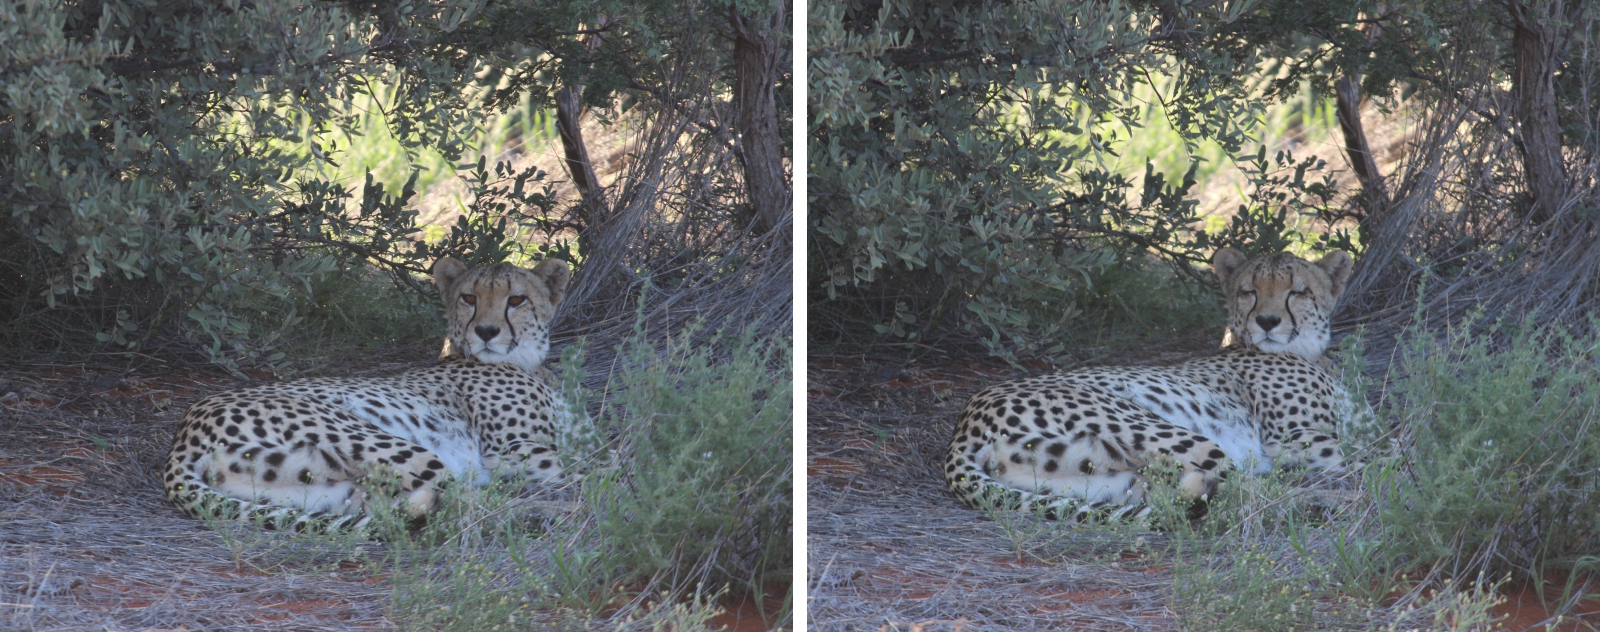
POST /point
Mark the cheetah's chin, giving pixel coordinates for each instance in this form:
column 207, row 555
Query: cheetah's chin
column 1303, row 345
column 528, row 357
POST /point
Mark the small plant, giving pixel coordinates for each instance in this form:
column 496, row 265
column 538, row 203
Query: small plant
column 353, row 309
column 1458, row 608
column 252, row 544
column 700, row 493
column 1495, row 467
column 468, row 567
column 580, row 441
column 692, row 615
column 1139, row 300
column 1240, row 584
column 1027, row 529
column 1363, row 435
column 580, row 575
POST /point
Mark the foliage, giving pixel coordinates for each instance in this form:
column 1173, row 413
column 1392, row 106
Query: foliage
column 146, row 170
column 1523, row 68
column 702, row 490
column 1281, row 205
column 1494, row 472
column 657, row 57
column 958, row 157
column 1401, row 49
column 354, row 309
column 1140, row 302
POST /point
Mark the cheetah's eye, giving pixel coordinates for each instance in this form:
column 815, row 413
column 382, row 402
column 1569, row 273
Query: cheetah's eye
column 516, row 300
column 1299, row 292
column 469, row 299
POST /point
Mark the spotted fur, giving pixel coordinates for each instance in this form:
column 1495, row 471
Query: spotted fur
column 308, row 452
column 1077, row 443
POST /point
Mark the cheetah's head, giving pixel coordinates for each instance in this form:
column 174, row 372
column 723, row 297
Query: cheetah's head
column 1280, row 303
column 500, row 314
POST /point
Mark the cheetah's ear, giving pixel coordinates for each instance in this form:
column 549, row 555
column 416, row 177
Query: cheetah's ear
column 555, row 275
column 1338, row 265
column 1226, row 262
column 446, row 272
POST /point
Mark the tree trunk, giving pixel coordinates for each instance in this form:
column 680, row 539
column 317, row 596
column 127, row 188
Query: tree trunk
column 1348, row 102
column 759, row 57
column 569, row 115
column 1536, row 47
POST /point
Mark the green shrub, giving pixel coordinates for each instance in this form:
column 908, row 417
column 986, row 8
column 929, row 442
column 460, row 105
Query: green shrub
column 1143, row 300
column 172, row 172
column 701, row 493
column 1496, row 467
column 356, row 308
column 148, row 176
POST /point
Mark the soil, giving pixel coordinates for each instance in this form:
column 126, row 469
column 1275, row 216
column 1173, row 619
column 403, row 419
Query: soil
column 1525, row 609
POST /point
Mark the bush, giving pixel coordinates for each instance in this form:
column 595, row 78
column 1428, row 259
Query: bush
column 701, row 492
column 1495, row 468
column 170, row 173
column 1247, row 588
column 356, row 308
column 150, row 171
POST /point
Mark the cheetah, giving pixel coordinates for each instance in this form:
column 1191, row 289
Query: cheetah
column 1075, row 443
column 304, row 453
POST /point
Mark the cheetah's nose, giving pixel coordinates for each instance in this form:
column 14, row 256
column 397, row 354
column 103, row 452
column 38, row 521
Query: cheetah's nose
column 1266, row 321
column 487, row 332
